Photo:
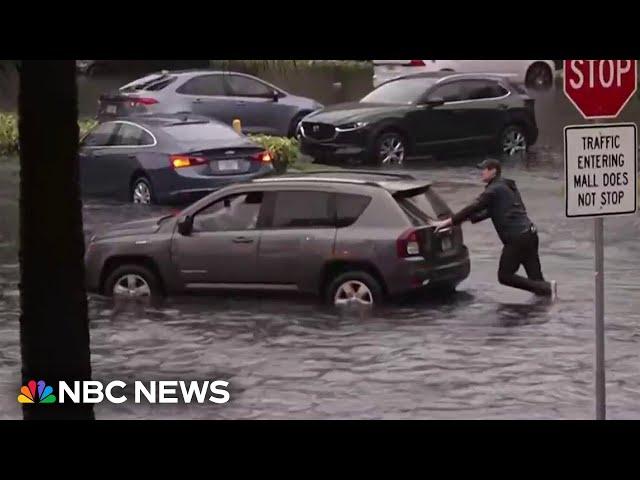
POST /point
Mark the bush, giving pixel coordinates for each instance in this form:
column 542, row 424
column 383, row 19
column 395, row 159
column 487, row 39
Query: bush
column 257, row 67
column 9, row 132
column 286, row 151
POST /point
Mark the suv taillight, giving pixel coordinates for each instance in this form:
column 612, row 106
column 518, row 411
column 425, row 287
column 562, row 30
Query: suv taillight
column 408, row 244
column 416, row 63
column 181, row 161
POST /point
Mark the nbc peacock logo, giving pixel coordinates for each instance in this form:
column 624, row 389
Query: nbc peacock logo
column 44, row 393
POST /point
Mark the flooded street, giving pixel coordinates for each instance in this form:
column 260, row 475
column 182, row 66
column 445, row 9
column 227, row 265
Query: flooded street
column 488, row 352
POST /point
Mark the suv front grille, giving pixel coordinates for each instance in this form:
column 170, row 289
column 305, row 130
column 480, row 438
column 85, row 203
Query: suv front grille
column 318, row 131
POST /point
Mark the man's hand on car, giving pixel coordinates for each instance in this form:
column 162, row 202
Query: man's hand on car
column 442, row 224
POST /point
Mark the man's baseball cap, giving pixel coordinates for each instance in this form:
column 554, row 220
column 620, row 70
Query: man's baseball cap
column 491, row 164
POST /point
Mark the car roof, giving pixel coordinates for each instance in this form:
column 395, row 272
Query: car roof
column 346, row 174
column 191, row 72
column 444, row 75
column 393, row 183
column 163, row 120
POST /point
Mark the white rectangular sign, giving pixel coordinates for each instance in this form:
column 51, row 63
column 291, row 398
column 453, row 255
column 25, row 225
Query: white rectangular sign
column 601, row 169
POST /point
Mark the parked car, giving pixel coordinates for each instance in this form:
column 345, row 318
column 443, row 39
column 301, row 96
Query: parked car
column 429, row 113
column 535, row 74
column 348, row 236
column 166, row 159
column 224, row 96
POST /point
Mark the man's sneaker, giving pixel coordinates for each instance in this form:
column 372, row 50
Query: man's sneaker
column 554, row 290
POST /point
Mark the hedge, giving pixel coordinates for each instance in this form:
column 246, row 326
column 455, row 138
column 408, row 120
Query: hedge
column 286, row 151
column 9, row 132
column 257, row 66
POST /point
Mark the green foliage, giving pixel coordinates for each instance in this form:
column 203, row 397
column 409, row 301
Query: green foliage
column 255, row 67
column 286, row 151
column 9, row 132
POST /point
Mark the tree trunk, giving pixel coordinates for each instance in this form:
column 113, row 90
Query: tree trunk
column 54, row 326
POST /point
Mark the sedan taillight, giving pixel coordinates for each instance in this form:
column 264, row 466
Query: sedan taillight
column 142, row 101
column 181, row 161
column 262, row 156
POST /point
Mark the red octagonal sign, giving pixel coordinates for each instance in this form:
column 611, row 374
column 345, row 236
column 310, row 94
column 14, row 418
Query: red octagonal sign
column 600, row 88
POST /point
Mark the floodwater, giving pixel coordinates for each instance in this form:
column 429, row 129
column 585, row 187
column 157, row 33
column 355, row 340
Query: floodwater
column 487, row 352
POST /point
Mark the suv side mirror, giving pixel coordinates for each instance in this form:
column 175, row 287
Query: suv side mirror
column 434, row 102
column 276, row 96
column 185, row 226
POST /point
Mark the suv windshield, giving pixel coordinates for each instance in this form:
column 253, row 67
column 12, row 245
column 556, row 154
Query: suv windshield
column 405, row 90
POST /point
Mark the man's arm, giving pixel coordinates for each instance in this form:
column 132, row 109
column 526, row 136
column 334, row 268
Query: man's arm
column 475, row 209
column 479, row 216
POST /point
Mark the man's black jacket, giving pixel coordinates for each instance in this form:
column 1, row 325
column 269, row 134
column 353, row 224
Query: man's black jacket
column 501, row 202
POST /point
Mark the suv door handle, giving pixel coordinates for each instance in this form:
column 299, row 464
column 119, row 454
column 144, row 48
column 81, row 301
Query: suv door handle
column 241, row 103
column 242, row 240
column 198, row 100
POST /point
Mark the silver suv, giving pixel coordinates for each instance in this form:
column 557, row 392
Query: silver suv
column 347, row 236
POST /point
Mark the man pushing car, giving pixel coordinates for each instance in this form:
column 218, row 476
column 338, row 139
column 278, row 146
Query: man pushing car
column 501, row 201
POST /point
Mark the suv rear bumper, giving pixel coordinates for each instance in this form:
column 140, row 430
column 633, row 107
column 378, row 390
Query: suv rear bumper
column 422, row 273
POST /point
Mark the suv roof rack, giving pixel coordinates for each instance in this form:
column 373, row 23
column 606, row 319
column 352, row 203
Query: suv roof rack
column 405, row 176
column 354, row 181
column 393, row 186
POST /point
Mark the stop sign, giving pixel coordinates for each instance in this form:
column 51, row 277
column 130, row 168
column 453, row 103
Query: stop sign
column 600, row 88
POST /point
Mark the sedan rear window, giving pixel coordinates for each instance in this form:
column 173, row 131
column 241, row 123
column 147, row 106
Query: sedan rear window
column 152, row 83
column 406, row 90
column 197, row 132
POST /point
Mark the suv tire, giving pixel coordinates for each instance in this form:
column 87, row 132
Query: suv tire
column 355, row 286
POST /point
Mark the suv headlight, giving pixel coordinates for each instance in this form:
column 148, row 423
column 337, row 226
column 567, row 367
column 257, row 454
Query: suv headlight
column 348, row 127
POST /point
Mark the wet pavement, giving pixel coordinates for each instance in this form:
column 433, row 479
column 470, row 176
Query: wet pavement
column 487, row 352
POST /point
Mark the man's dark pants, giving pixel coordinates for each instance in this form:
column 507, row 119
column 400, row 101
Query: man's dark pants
column 523, row 250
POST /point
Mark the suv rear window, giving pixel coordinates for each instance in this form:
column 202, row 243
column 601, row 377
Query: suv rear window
column 424, row 207
column 349, row 207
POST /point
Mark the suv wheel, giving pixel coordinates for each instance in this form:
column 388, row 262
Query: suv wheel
column 354, row 288
column 132, row 281
column 513, row 140
column 390, row 149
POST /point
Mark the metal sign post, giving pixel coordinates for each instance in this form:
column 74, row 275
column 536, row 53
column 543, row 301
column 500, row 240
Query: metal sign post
column 598, row 231
column 598, row 367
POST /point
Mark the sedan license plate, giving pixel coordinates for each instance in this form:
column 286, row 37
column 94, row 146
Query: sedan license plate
column 446, row 244
column 224, row 165
column 111, row 109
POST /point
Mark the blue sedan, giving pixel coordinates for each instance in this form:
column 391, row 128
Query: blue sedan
column 166, row 159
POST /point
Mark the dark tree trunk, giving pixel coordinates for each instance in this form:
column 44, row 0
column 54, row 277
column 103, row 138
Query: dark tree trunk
column 54, row 326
